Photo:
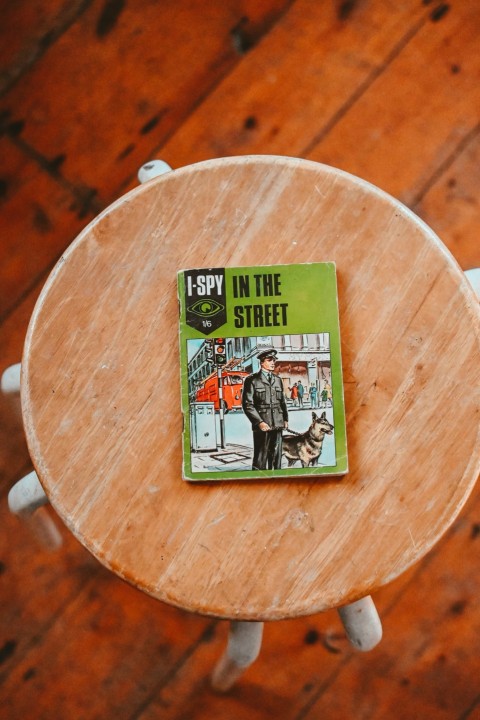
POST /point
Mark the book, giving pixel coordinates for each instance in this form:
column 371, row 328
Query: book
column 261, row 373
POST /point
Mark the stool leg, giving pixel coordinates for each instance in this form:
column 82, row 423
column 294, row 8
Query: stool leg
column 153, row 169
column 10, row 382
column 362, row 623
column 243, row 647
column 25, row 500
column 473, row 276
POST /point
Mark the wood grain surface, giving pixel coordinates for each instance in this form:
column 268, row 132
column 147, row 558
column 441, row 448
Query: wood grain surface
column 102, row 408
column 90, row 90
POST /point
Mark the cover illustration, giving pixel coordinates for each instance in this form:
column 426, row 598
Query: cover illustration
column 261, row 372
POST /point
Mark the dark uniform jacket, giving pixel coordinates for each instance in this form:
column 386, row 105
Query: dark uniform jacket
column 264, row 402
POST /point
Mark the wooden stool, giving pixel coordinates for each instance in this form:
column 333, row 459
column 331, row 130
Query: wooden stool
column 101, row 396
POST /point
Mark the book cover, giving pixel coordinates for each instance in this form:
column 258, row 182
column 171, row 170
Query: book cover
column 261, row 372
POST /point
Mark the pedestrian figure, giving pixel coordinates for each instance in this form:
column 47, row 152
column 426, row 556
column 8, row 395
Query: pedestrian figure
column 294, row 394
column 313, row 396
column 324, row 398
column 301, row 391
column 328, row 388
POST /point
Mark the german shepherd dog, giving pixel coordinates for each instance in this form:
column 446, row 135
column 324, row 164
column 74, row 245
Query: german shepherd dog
column 307, row 446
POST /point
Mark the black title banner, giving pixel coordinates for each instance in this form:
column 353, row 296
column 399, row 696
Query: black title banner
column 205, row 299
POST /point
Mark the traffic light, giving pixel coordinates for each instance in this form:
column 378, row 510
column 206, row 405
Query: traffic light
column 219, row 351
column 209, row 349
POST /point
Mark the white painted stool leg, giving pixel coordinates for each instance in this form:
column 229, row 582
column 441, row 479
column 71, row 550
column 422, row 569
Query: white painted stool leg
column 473, row 276
column 243, row 647
column 10, row 383
column 153, row 169
column 362, row 623
column 25, row 500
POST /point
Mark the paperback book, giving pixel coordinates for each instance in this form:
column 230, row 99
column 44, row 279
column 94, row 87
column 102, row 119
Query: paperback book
column 261, row 373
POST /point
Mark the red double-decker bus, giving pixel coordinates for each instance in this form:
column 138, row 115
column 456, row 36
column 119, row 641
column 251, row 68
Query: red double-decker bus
column 232, row 385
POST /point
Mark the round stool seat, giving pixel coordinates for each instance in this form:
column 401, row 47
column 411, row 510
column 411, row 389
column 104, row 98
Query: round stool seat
column 101, row 392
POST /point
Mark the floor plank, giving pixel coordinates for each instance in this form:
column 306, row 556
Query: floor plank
column 37, row 586
column 121, row 80
column 283, row 96
column 37, row 26
column 89, row 91
column 14, row 458
column 126, row 657
column 41, row 217
column 422, row 107
column 427, row 666
column 452, row 206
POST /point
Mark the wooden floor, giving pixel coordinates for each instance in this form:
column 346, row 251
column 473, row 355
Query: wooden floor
column 90, row 90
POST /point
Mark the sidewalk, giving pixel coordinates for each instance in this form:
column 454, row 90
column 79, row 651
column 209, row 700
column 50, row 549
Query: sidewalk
column 232, row 457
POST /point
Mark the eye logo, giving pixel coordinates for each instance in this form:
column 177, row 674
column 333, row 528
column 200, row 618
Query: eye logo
column 206, row 308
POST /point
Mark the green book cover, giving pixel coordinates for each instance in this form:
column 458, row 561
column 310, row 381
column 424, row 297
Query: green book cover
column 261, row 372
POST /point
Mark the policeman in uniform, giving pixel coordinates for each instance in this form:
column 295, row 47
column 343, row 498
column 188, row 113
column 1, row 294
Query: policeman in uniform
column 263, row 402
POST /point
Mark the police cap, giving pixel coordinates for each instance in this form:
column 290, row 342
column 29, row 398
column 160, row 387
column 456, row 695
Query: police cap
column 266, row 351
